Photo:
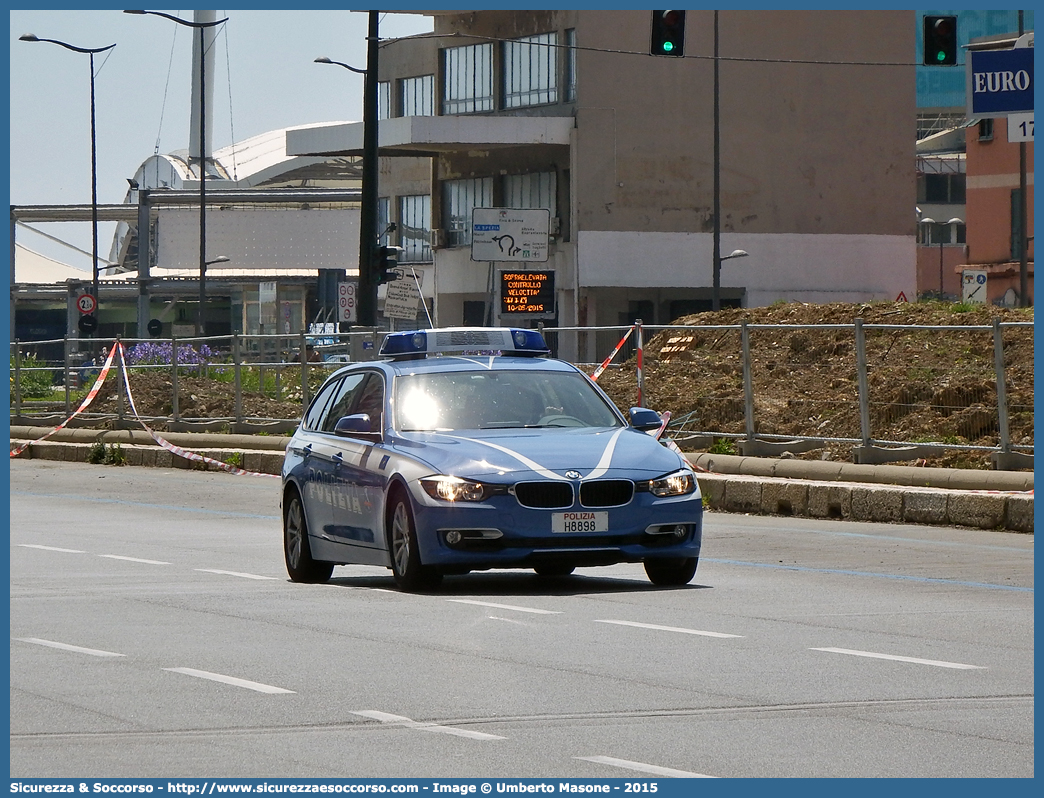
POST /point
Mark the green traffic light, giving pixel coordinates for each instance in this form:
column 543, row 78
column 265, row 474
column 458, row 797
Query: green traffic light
column 668, row 46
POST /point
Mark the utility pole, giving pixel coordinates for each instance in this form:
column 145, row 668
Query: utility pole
column 368, row 216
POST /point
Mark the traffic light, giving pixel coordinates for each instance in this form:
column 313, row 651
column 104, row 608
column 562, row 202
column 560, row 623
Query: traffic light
column 940, row 41
column 386, row 259
column 668, row 33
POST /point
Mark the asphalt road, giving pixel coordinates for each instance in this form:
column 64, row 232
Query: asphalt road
column 155, row 634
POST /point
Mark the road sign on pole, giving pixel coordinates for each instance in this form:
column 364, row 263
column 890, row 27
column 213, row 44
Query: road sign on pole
column 86, row 303
column 1000, row 82
column 347, row 305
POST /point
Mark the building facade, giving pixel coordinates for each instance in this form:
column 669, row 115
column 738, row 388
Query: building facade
column 568, row 111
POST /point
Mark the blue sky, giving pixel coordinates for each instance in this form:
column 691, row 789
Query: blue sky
column 265, row 79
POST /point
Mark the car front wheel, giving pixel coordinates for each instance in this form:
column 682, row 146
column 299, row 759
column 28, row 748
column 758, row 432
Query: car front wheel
column 410, row 575
column 671, row 572
column 296, row 551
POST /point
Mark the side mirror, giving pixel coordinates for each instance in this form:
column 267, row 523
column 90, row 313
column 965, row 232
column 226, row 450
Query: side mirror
column 644, row 419
column 356, row 426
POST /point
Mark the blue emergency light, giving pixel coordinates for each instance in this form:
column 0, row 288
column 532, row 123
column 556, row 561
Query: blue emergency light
column 464, row 340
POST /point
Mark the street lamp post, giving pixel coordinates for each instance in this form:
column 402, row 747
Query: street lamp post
column 929, row 220
column 201, row 26
column 91, row 51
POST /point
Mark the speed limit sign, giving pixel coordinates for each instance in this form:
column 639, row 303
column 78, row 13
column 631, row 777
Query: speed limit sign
column 86, row 303
column 346, row 302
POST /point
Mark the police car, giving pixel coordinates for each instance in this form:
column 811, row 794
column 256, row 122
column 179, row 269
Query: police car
column 468, row 449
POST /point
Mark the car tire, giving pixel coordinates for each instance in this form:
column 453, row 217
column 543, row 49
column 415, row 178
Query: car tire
column 410, row 574
column 297, row 553
column 554, row 570
column 671, row 572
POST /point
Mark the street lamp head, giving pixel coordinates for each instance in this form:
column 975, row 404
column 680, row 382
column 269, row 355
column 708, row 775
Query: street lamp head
column 133, row 12
column 320, row 60
column 219, row 259
column 955, row 220
column 28, row 37
column 736, row 253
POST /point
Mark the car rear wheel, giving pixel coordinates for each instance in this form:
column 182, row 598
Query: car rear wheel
column 296, row 551
column 671, row 572
column 554, row 570
column 410, row 574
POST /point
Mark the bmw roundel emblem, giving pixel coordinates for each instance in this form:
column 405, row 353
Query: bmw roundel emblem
column 573, row 474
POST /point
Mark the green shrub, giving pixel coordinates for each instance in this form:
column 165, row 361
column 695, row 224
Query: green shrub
column 34, row 384
column 723, row 446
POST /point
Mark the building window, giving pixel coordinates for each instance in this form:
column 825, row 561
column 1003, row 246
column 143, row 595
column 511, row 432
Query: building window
column 415, row 228
column 418, row 96
column 468, row 79
column 986, row 130
column 531, row 71
column 383, row 206
column 942, row 189
column 384, row 100
column 535, row 190
column 570, row 76
column 460, row 197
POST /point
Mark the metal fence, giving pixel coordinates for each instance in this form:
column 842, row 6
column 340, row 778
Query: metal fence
column 889, row 392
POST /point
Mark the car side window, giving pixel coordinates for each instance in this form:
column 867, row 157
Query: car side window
column 343, row 400
column 319, row 404
column 371, row 401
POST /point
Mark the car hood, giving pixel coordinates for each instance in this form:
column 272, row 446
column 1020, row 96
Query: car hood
column 620, row 452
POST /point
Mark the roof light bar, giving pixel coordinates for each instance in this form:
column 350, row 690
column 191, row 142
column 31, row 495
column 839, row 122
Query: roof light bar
column 464, row 340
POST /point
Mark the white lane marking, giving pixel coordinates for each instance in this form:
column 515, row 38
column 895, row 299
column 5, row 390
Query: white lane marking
column 233, row 573
column 50, row 548
column 232, row 680
column 656, row 770
column 385, row 717
column 506, row 607
column 873, row 655
column 133, row 559
column 669, row 628
column 94, row 652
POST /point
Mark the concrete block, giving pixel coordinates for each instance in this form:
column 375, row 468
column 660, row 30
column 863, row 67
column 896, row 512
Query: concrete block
column 133, row 454
column 252, row 461
column 924, row 507
column 877, row 504
column 272, row 463
column 742, row 496
column 165, row 459
column 712, row 489
column 1020, row 513
column 780, row 497
column 830, row 501
column 982, row 510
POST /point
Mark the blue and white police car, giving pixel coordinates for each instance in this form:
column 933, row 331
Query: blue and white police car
column 468, row 449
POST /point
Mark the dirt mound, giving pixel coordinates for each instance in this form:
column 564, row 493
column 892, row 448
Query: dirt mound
column 925, row 385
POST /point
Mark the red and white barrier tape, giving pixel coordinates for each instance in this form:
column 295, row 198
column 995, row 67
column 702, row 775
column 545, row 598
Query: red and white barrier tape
column 641, row 378
column 170, row 447
column 605, row 363
column 93, row 392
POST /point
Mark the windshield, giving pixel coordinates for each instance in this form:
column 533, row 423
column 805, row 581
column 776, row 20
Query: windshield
column 498, row 400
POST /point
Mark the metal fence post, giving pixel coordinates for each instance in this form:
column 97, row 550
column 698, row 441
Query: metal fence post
column 121, row 376
column 864, row 397
column 174, row 377
column 302, row 354
column 68, row 376
column 748, row 380
column 237, row 365
column 641, row 376
column 1002, row 390
column 18, row 378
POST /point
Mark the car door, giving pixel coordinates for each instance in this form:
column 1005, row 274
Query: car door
column 324, row 453
column 359, row 481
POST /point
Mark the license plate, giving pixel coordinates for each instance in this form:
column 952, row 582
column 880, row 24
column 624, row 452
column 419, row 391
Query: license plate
column 580, row 522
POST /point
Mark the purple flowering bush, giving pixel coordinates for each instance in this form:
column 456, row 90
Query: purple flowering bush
column 162, row 354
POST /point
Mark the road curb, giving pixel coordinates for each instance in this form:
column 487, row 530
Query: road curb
column 755, row 485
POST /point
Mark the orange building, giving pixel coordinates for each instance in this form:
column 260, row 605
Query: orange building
column 993, row 235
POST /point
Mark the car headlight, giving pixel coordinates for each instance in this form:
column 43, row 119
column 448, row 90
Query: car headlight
column 454, row 489
column 679, row 483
